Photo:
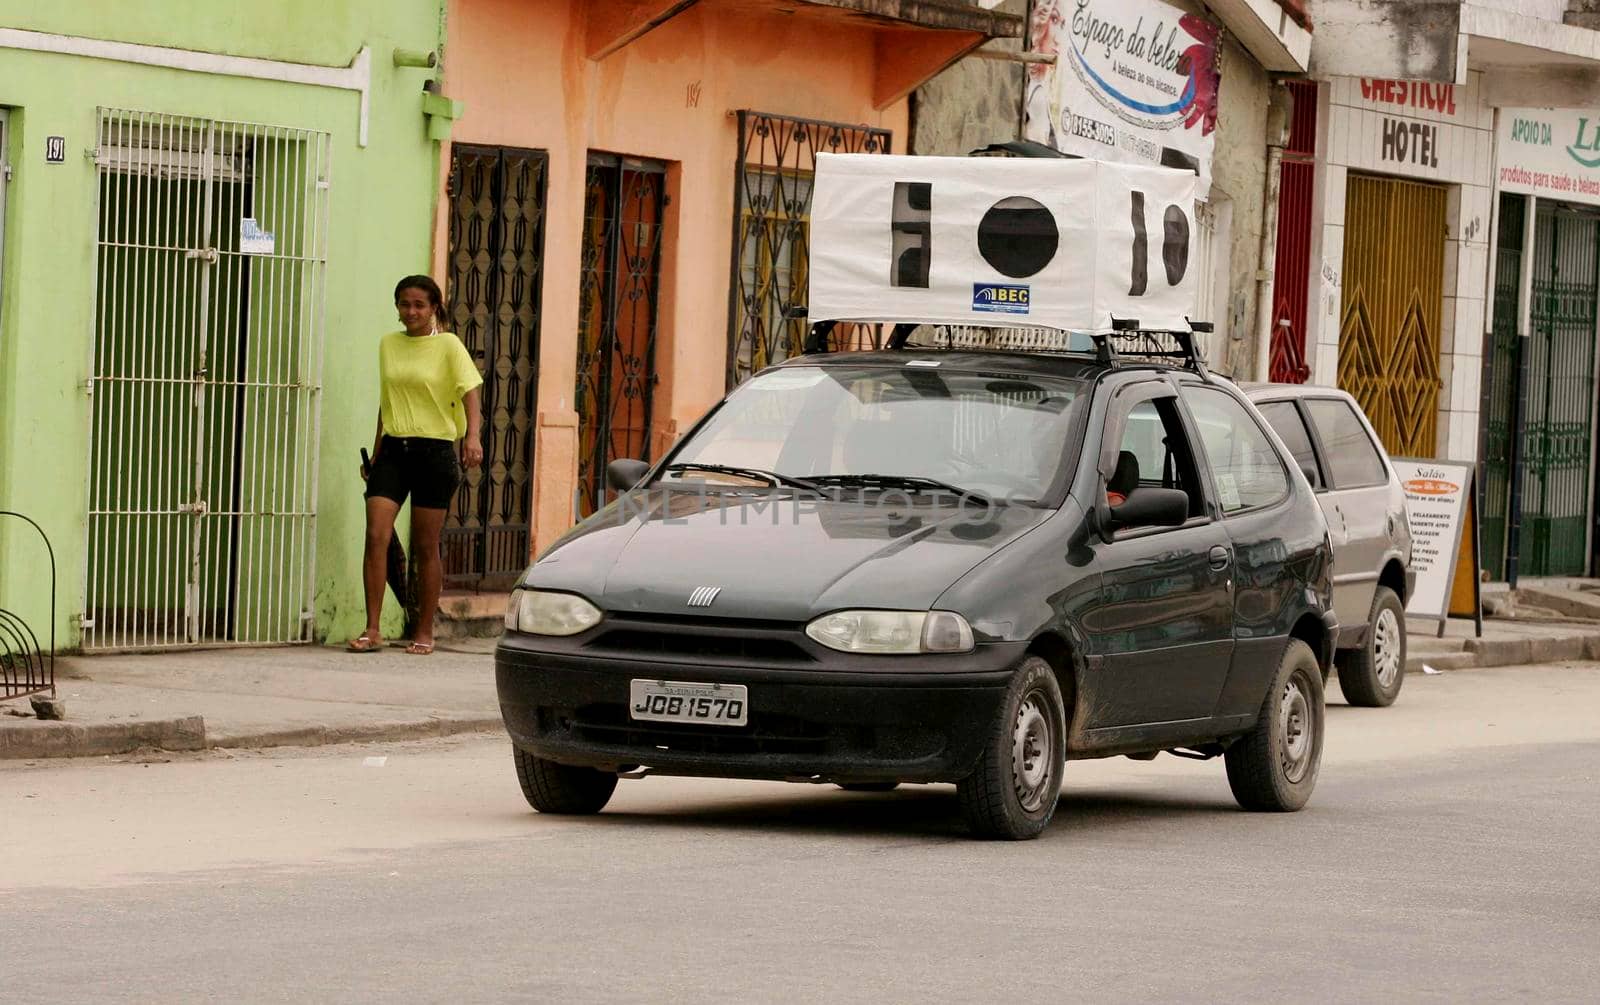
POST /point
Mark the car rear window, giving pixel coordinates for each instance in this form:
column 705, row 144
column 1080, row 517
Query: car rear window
column 1285, row 420
column 1353, row 459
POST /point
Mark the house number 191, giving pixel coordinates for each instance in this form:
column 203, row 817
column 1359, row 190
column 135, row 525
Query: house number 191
column 55, row 149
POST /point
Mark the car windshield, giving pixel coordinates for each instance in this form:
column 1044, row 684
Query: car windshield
column 910, row 428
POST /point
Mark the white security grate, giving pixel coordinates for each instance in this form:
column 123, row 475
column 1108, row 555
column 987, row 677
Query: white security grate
column 206, row 382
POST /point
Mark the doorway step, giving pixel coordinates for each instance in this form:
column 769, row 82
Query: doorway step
column 464, row 614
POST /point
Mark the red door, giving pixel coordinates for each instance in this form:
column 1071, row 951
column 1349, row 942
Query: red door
column 1292, row 267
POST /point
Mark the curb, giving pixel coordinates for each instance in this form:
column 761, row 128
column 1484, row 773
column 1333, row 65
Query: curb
column 1484, row 653
column 70, row 739
column 318, row 736
column 65, row 739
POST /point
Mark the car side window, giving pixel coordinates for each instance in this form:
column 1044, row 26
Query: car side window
column 1244, row 464
column 1285, row 420
column 1154, row 451
column 1353, row 459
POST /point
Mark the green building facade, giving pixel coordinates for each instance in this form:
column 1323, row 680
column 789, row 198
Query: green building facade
column 206, row 207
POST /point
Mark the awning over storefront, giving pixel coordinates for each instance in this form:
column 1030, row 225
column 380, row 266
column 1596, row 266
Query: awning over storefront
column 913, row 39
column 1275, row 32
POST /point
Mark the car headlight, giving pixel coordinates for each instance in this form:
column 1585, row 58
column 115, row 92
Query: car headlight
column 542, row 612
column 887, row 632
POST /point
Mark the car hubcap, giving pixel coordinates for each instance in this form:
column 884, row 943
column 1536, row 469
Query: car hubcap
column 1032, row 760
column 1386, row 648
column 1295, row 729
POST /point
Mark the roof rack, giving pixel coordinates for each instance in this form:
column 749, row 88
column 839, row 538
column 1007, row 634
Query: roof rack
column 1126, row 342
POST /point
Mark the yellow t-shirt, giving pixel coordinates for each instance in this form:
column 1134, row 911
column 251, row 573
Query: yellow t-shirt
column 423, row 379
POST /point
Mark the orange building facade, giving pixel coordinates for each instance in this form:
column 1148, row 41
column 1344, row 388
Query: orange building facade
column 622, row 225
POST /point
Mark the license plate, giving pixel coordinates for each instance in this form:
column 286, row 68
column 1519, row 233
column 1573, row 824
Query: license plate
column 677, row 701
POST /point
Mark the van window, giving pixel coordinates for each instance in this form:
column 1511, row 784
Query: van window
column 1353, row 460
column 1244, row 464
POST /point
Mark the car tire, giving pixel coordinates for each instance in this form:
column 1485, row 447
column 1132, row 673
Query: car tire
column 561, row 788
column 1273, row 768
column 869, row 786
column 1013, row 791
column 1372, row 675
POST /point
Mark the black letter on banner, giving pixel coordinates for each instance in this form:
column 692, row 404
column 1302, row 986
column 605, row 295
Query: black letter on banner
column 1141, row 249
column 1175, row 248
column 911, row 234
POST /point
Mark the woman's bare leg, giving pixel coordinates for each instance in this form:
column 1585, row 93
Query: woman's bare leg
column 375, row 561
column 425, row 527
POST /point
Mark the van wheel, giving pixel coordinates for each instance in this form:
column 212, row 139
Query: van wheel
column 1274, row 766
column 869, row 786
column 1371, row 676
column 561, row 788
column 1013, row 792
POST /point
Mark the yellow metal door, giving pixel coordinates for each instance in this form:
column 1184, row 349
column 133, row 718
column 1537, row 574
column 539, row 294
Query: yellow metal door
column 1393, row 299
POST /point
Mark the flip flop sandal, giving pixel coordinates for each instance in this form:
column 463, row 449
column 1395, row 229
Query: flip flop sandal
column 364, row 643
column 420, row 649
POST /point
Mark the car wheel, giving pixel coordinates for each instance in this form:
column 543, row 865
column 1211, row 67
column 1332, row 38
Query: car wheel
column 561, row 788
column 869, row 786
column 1274, row 766
column 1013, row 792
column 1371, row 676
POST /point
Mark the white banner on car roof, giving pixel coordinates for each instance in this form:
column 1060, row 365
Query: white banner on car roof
column 1001, row 242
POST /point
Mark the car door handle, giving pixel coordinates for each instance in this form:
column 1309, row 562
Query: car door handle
column 1220, row 557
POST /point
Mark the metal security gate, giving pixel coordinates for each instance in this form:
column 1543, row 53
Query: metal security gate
column 1291, row 268
column 1393, row 301
column 1501, row 388
column 1559, row 393
column 771, row 235
column 496, row 272
column 205, row 382
column 619, row 281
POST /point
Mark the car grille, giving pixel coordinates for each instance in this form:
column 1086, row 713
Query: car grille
column 767, row 733
column 736, row 641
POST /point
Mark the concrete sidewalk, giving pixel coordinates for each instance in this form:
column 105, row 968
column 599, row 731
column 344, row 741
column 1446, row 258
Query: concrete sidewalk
column 306, row 696
column 301, row 696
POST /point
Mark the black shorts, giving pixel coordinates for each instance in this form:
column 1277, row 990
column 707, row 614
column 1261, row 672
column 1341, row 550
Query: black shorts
column 427, row 470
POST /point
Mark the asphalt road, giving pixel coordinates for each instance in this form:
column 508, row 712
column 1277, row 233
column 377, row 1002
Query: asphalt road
column 1451, row 852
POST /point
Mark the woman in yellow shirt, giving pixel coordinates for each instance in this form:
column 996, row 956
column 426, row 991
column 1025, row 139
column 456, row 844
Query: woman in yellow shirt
column 429, row 400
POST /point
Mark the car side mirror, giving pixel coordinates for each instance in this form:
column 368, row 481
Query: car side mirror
column 624, row 473
column 1310, row 471
column 1151, row 507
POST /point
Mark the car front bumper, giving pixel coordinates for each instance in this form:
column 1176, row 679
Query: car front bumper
column 915, row 718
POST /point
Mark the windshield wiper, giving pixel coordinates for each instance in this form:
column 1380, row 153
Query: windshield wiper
column 772, row 478
column 911, row 483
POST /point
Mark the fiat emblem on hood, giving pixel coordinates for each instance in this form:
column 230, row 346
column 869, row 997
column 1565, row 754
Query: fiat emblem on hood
column 705, row 596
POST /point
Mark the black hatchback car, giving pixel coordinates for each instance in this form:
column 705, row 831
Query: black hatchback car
column 935, row 565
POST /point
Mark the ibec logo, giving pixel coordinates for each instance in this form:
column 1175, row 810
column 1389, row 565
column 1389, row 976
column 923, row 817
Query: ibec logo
column 1000, row 298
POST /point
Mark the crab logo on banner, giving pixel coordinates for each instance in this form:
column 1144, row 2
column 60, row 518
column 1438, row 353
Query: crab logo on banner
column 1065, row 244
column 1134, row 80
